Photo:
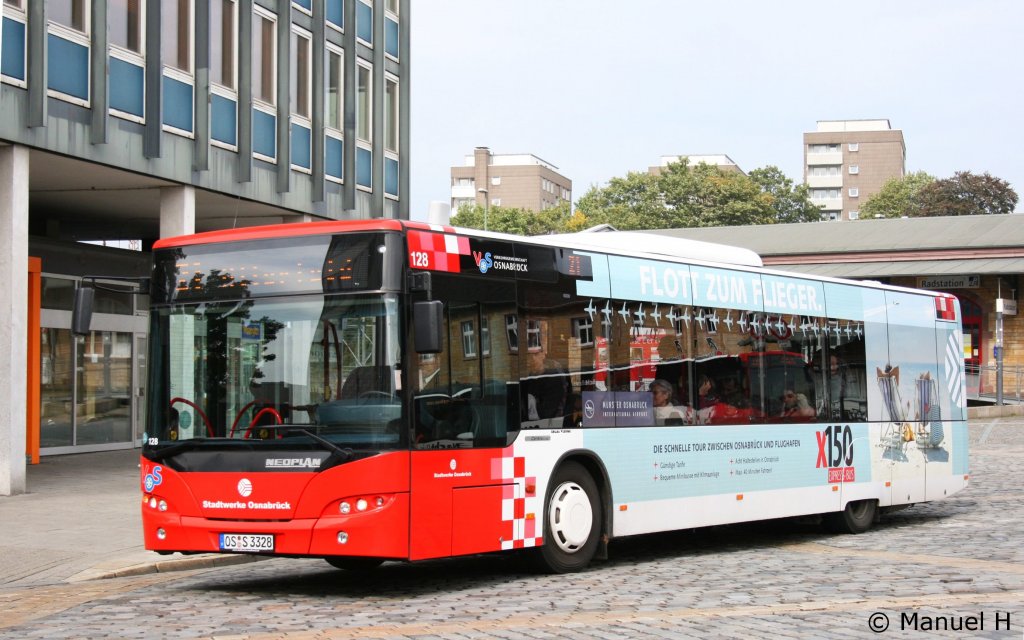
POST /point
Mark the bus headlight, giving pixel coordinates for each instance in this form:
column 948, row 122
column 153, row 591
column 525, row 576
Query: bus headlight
column 342, row 537
column 345, row 507
column 361, row 504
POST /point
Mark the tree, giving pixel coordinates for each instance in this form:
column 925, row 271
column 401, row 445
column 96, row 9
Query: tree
column 515, row 220
column 790, row 203
column 697, row 196
column 967, row 194
column 633, row 202
column 898, row 197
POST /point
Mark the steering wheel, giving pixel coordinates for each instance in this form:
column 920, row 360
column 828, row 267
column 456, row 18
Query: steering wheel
column 367, row 395
column 265, row 410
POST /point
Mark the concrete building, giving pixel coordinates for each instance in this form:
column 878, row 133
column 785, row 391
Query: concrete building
column 848, row 161
column 719, row 160
column 138, row 119
column 520, row 180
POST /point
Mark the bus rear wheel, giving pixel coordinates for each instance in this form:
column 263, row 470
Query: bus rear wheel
column 856, row 517
column 572, row 523
column 353, row 563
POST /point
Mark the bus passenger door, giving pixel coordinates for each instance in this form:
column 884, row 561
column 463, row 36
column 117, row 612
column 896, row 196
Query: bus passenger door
column 465, row 412
column 904, row 383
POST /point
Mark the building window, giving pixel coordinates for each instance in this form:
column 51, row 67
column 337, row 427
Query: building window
column 300, row 80
column 73, row 14
column 533, row 335
column 468, row 339
column 854, row 192
column 854, row 215
column 124, row 19
column 824, row 170
column 853, row 146
column 364, row 21
column 223, row 21
column 68, row 50
column 496, row 181
column 335, row 13
column 854, row 169
column 364, row 101
column 334, row 116
column 495, row 202
column 176, row 34
column 391, row 115
column 12, row 43
column 264, row 57
column 485, row 336
column 512, row 332
column 822, row 148
column 583, row 331
column 392, row 6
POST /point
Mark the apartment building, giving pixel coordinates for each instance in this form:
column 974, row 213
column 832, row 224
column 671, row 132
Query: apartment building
column 519, row 180
column 133, row 120
column 848, row 161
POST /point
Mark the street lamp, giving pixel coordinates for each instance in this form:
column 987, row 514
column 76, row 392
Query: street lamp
column 487, row 205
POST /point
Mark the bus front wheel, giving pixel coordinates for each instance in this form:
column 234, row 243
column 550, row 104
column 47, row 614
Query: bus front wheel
column 572, row 523
column 856, row 517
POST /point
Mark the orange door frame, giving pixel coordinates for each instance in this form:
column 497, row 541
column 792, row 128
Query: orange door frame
column 34, row 379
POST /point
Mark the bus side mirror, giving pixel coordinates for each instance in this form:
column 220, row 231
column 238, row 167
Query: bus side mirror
column 428, row 321
column 81, row 314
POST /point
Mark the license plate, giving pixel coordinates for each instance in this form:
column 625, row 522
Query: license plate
column 247, row 542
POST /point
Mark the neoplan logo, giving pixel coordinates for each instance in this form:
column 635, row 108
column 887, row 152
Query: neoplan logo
column 293, row 463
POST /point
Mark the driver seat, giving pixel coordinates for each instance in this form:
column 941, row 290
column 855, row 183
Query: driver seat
column 368, row 378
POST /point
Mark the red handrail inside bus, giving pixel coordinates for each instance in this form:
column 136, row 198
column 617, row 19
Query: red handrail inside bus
column 206, row 421
column 271, row 410
column 239, row 417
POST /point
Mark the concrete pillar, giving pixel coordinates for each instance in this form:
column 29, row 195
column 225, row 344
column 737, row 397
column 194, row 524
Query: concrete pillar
column 13, row 316
column 177, row 211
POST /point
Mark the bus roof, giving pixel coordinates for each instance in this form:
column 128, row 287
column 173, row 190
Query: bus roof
column 615, row 242
column 618, row 241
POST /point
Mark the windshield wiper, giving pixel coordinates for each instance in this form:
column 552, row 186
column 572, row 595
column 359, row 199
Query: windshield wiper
column 338, row 454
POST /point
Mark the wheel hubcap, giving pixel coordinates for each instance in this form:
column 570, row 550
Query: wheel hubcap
column 571, row 517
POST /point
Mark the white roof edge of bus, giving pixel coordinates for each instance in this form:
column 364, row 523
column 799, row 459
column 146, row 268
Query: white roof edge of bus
column 656, row 245
column 722, row 257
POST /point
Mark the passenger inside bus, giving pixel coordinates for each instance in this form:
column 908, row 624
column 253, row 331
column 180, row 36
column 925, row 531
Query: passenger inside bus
column 795, row 407
column 706, row 396
column 547, row 388
column 667, row 410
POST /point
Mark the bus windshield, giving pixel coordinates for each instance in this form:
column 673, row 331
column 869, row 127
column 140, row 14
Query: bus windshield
column 263, row 369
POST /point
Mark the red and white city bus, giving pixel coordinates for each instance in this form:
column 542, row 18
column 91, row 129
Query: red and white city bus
column 384, row 390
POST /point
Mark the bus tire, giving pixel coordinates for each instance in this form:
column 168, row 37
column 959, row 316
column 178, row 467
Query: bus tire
column 354, row 564
column 856, row 517
column 572, row 522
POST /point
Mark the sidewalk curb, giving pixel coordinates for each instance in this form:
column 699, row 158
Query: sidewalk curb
column 204, row 561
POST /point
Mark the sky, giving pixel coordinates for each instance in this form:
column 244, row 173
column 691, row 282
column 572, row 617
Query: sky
column 600, row 88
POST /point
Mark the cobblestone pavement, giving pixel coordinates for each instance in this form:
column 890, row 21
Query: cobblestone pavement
column 957, row 562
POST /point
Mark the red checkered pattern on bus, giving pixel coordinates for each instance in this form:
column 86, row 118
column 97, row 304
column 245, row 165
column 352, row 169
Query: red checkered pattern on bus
column 518, row 511
column 945, row 308
column 437, row 251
